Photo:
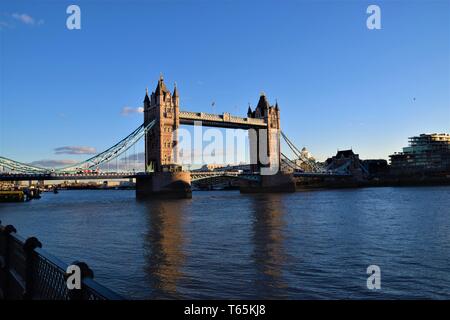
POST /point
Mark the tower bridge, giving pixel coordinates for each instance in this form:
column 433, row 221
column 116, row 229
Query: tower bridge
column 163, row 176
column 162, row 107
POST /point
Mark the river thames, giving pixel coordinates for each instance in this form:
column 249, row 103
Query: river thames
column 223, row 244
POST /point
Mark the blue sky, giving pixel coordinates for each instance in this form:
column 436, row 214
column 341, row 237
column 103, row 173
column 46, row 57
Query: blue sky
column 338, row 84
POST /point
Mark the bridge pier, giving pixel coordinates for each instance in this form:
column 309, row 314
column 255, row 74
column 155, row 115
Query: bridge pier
column 172, row 185
column 276, row 183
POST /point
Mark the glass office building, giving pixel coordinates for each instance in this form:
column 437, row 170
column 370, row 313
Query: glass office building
column 427, row 152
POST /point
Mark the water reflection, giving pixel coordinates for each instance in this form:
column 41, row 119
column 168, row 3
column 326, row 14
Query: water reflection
column 163, row 245
column 268, row 240
column 311, row 245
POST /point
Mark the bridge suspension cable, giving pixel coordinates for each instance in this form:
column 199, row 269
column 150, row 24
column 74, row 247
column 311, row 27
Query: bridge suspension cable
column 102, row 158
column 314, row 166
column 290, row 163
column 113, row 152
column 20, row 167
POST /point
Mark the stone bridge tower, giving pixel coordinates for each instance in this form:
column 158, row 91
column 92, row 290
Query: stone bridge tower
column 165, row 178
column 160, row 141
column 265, row 150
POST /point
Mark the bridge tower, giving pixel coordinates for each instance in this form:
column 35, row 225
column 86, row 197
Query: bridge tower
column 160, row 141
column 265, row 144
column 164, row 177
column 265, row 151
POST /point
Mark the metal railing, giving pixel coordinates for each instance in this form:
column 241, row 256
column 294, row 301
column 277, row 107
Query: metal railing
column 27, row 272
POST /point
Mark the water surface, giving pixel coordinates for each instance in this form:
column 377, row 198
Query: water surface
column 306, row 245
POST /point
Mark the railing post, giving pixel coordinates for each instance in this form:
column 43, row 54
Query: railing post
column 29, row 246
column 4, row 267
column 86, row 272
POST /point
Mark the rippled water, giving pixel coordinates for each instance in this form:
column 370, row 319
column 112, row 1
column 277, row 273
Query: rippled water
column 306, row 245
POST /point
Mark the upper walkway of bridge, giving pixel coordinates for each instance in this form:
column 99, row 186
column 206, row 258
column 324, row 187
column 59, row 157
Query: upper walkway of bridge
column 224, row 120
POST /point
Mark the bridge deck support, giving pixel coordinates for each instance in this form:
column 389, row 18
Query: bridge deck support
column 164, row 185
column 279, row 182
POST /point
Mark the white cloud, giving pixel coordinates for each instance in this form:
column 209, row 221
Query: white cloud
column 126, row 111
column 75, row 150
column 27, row 19
column 50, row 163
column 138, row 157
column 24, row 18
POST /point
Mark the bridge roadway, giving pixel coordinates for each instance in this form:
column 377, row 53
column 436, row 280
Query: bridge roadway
column 201, row 175
column 320, row 174
column 67, row 176
column 195, row 175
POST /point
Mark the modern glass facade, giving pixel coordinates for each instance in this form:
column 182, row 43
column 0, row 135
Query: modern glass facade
column 427, row 152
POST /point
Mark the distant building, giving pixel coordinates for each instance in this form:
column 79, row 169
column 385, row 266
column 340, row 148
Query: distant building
column 243, row 167
column 425, row 153
column 376, row 167
column 346, row 161
column 342, row 157
column 306, row 161
column 210, row 167
column 306, row 154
